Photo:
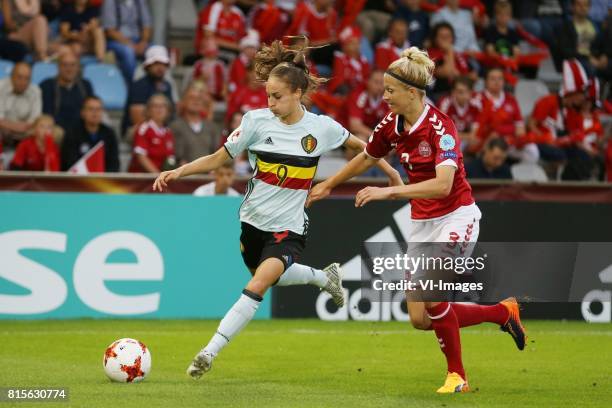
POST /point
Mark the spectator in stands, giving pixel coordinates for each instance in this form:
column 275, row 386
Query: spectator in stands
column 601, row 52
column 86, row 134
column 269, row 20
column 153, row 141
column 365, row 107
column 459, row 107
column 463, row 26
column 20, row 103
column 350, row 69
column 248, row 97
column 416, row 19
column 63, row 95
column 374, row 18
column 224, row 22
column 318, row 20
column 248, row 48
column 491, row 164
column 194, row 135
column 502, row 39
column 211, row 70
column 391, row 48
column 450, row 64
column 12, row 50
column 80, row 26
column 576, row 35
column 224, row 178
column 127, row 24
column 542, row 19
column 156, row 64
column 38, row 152
column 24, row 23
column 500, row 116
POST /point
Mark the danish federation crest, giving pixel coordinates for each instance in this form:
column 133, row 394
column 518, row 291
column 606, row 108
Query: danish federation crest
column 447, row 142
column 424, row 149
column 309, row 143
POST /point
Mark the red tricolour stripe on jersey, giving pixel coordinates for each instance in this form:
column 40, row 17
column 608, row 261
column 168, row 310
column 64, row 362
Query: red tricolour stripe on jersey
column 289, row 182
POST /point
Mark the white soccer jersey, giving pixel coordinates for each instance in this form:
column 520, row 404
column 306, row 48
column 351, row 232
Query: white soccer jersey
column 285, row 160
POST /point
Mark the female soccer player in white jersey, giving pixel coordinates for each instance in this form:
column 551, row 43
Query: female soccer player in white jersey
column 443, row 209
column 284, row 143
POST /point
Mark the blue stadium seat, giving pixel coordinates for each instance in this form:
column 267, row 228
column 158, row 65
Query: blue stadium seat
column 42, row 71
column 5, row 68
column 107, row 84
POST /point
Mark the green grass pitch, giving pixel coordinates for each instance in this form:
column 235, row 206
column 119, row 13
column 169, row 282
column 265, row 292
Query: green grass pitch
column 295, row 363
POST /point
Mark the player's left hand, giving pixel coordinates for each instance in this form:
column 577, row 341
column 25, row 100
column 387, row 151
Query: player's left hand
column 368, row 194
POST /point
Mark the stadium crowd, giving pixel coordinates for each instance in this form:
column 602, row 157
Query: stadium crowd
column 487, row 53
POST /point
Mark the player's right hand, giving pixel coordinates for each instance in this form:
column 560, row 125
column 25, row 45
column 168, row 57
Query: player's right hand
column 161, row 182
column 318, row 192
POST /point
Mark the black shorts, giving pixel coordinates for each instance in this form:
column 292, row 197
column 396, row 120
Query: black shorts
column 256, row 246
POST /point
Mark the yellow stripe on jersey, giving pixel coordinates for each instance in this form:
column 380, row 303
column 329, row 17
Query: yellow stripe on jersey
column 292, row 171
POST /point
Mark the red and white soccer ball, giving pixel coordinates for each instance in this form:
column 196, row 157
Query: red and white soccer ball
column 127, row 360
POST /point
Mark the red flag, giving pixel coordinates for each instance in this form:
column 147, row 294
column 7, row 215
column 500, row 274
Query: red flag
column 91, row 162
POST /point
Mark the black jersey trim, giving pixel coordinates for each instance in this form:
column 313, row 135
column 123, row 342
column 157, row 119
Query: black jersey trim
column 290, row 160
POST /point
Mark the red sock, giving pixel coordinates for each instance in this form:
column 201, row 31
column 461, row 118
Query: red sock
column 445, row 324
column 469, row 314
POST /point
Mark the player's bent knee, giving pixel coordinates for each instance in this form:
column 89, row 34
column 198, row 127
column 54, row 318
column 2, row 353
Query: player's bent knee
column 419, row 324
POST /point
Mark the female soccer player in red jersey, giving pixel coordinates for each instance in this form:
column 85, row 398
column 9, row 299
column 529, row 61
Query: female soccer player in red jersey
column 443, row 209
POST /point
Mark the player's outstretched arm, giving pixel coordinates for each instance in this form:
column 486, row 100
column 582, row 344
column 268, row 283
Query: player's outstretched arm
column 438, row 187
column 202, row 165
column 356, row 144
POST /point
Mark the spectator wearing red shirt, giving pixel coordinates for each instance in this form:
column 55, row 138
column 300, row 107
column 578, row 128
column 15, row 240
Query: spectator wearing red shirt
column 38, row 152
column 224, row 21
column 500, row 116
column 350, row 69
column 211, row 70
column 247, row 97
column 269, row 20
column 365, row 107
column 450, row 64
column 153, row 141
column 238, row 69
column 391, row 48
column 316, row 19
column 459, row 107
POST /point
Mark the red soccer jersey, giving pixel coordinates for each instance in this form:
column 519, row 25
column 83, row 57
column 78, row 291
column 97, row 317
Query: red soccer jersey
column 501, row 115
column 212, row 72
column 227, row 25
column 246, row 99
column 361, row 106
column 432, row 141
column 387, row 52
column 238, row 72
column 465, row 118
column 29, row 157
column 308, row 21
column 348, row 73
column 154, row 142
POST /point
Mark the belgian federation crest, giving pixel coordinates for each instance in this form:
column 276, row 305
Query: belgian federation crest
column 309, row 143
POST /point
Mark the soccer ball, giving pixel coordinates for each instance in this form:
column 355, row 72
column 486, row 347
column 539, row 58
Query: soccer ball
column 127, row 360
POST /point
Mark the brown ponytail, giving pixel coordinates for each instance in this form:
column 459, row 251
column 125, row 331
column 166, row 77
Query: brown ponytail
column 288, row 64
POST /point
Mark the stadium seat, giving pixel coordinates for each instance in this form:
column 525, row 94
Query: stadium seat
column 183, row 17
column 5, row 68
column 528, row 172
column 88, row 59
column 42, row 71
column 527, row 92
column 108, row 84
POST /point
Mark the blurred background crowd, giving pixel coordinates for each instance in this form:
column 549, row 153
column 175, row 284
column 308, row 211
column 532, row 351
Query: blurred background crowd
column 142, row 86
